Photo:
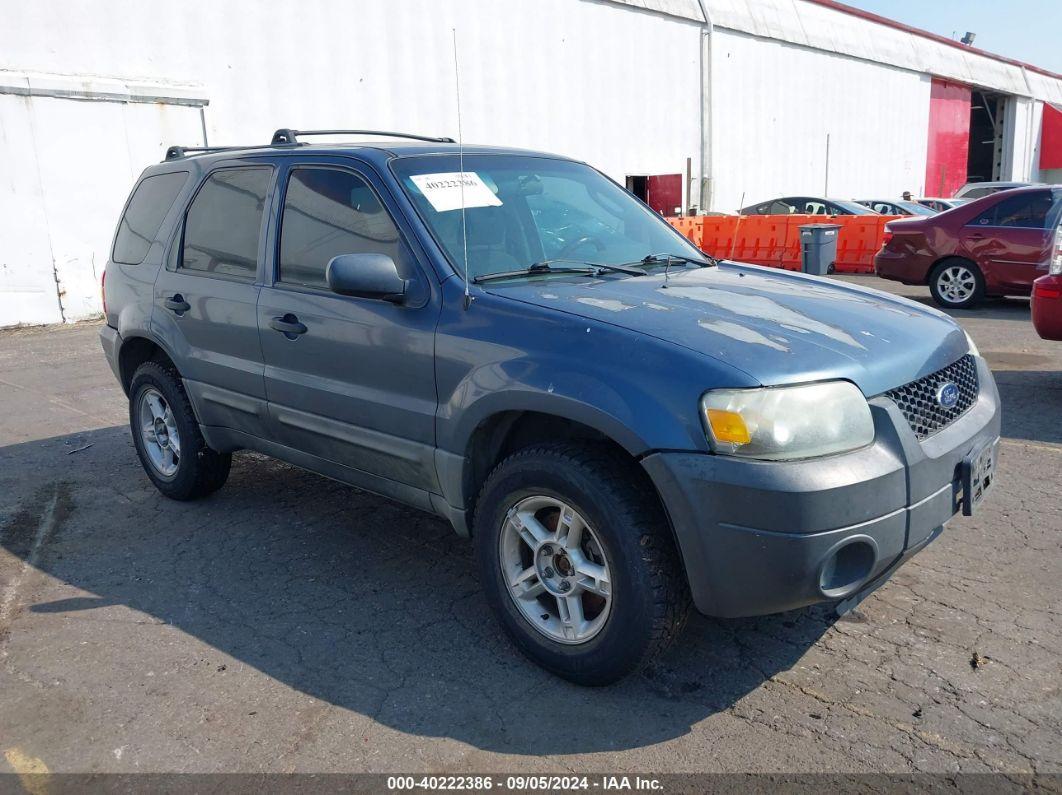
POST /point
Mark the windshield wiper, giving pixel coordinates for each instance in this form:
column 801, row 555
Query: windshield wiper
column 548, row 266
column 668, row 259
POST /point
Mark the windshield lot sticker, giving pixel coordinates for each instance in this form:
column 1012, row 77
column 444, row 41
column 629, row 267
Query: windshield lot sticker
column 444, row 190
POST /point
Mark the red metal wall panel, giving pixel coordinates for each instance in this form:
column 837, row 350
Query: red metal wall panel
column 664, row 193
column 949, row 138
column 1051, row 138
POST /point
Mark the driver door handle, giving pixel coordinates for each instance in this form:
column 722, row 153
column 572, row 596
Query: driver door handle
column 288, row 325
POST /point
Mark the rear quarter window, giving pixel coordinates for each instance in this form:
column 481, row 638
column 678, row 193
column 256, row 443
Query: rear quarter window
column 143, row 216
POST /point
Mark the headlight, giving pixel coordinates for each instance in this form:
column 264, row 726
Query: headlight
column 972, row 344
column 787, row 422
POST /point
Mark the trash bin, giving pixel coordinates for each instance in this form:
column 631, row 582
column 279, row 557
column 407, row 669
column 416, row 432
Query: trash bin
column 818, row 247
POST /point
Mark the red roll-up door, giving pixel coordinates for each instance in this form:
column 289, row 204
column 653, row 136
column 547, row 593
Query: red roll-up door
column 664, row 193
column 949, row 138
column 1051, row 138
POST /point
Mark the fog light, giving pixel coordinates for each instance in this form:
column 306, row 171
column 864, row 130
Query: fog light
column 847, row 567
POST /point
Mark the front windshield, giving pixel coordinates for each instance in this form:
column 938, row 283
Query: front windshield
column 521, row 210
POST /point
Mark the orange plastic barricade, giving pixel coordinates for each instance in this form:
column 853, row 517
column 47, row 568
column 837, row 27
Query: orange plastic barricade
column 689, row 226
column 759, row 239
column 858, row 241
column 719, row 234
column 774, row 240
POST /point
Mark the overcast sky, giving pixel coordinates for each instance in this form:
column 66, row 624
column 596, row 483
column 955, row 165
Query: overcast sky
column 1026, row 30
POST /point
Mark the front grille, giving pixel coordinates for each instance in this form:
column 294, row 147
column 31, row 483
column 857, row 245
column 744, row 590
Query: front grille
column 918, row 399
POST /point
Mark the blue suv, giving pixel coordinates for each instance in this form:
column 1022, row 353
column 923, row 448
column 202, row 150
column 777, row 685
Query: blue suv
column 511, row 341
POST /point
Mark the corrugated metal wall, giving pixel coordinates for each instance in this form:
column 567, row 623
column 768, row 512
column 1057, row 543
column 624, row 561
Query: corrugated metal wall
column 616, row 85
column 67, row 168
column 615, row 82
column 774, row 104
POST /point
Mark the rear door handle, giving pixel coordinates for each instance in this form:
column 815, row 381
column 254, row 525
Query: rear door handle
column 177, row 304
column 288, row 325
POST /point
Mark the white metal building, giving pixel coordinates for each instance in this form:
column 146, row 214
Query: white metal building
column 762, row 97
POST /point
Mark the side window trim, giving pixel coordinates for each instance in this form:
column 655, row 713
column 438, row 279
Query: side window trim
column 262, row 230
column 273, row 268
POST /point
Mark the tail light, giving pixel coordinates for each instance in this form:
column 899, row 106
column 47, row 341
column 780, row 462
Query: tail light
column 103, row 291
column 886, row 238
column 1056, row 258
column 1047, row 292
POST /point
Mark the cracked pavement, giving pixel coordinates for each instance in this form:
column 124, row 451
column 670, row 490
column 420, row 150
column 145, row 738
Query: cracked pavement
column 290, row 623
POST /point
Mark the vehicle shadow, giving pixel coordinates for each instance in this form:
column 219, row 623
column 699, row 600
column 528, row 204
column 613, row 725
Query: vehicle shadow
column 992, row 309
column 1002, row 308
column 351, row 599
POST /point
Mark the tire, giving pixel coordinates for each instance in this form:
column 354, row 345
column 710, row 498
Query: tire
column 647, row 597
column 957, row 283
column 197, row 470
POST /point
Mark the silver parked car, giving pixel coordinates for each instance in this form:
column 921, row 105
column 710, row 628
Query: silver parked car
column 975, row 190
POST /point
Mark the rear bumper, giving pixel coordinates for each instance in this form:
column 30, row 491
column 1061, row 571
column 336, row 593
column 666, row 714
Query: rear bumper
column 111, row 341
column 761, row 537
column 901, row 267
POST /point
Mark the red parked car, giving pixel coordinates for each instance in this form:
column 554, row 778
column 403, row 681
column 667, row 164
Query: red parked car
column 1047, row 297
column 993, row 246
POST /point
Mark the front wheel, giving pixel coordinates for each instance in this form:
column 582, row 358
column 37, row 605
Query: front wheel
column 957, row 283
column 578, row 561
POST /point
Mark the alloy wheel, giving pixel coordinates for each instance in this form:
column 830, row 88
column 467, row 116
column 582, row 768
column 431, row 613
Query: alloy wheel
column 956, row 284
column 555, row 569
column 162, row 442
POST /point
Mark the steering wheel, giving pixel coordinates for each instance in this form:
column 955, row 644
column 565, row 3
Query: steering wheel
column 572, row 247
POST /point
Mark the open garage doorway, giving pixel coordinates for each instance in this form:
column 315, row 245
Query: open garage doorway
column 967, row 129
column 987, row 119
column 662, row 192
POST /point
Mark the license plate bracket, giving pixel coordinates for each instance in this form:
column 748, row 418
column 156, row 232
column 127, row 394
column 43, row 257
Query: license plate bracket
column 978, row 475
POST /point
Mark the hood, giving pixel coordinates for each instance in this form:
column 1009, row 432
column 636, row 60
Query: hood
column 777, row 326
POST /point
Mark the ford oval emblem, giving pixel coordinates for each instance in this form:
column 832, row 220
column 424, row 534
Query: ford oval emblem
column 947, row 395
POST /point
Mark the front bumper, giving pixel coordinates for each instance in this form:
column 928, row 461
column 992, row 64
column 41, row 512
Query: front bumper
column 760, row 537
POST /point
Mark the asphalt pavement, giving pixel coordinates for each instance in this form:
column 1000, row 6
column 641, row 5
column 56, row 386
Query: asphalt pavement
column 290, row 623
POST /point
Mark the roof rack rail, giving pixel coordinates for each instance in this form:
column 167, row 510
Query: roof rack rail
column 288, row 136
column 177, row 152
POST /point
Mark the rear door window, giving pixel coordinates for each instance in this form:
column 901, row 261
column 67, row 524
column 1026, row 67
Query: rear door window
column 143, row 216
column 328, row 212
column 224, row 223
column 1028, row 211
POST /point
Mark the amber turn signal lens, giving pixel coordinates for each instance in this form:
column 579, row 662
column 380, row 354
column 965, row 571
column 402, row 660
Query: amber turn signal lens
column 727, row 426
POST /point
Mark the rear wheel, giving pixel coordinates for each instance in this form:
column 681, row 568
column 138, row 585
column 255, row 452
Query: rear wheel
column 578, row 561
column 957, row 283
column 167, row 438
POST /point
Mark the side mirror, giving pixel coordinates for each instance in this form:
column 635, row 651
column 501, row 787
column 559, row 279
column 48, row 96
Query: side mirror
column 366, row 276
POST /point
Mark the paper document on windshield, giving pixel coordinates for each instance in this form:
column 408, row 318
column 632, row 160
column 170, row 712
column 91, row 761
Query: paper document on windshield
column 444, row 190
